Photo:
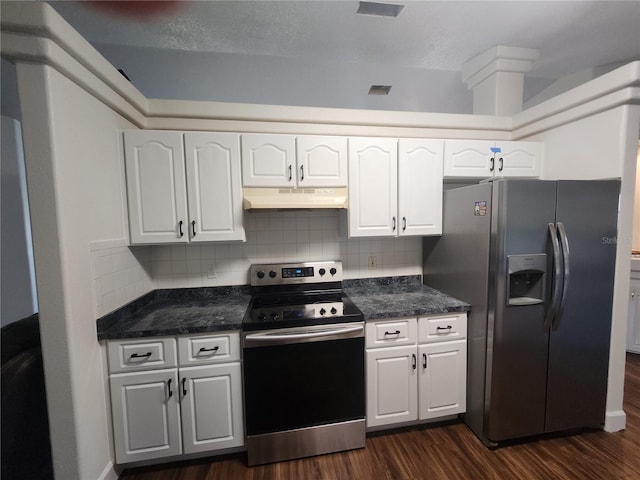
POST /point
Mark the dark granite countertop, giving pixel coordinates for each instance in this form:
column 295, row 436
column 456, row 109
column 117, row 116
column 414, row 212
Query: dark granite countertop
column 178, row 311
column 393, row 297
column 195, row 310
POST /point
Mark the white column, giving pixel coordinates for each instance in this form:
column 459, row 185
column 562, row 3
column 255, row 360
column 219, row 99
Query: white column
column 497, row 79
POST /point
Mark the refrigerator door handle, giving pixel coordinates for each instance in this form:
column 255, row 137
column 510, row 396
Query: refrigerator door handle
column 556, row 295
column 564, row 242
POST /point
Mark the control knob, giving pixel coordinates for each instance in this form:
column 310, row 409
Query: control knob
column 272, row 274
column 333, row 271
column 333, row 310
column 260, row 274
column 262, row 317
column 322, row 271
column 274, row 316
column 322, row 311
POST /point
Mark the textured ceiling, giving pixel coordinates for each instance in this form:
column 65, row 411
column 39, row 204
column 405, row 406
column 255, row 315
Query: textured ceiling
column 434, row 35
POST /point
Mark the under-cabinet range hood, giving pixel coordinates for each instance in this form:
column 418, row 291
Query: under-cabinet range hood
column 294, row 198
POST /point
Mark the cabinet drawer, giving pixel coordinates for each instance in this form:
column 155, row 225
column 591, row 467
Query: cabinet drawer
column 442, row 327
column 141, row 354
column 208, row 348
column 393, row 332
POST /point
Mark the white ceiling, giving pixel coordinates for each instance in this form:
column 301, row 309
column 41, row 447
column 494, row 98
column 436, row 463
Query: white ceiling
column 427, row 35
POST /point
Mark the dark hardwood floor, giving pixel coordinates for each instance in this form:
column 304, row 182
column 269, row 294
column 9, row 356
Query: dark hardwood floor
column 446, row 452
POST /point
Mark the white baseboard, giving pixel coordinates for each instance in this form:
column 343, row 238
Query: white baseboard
column 109, row 472
column 615, row 421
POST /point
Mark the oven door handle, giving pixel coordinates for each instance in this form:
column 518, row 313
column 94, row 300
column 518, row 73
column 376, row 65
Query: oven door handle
column 275, row 337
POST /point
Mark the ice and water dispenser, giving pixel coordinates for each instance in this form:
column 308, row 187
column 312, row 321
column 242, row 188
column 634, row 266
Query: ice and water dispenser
column 526, row 279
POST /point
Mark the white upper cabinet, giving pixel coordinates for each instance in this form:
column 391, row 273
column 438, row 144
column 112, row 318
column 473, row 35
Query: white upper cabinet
column 157, row 196
column 519, row 159
column 373, row 187
column 291, row 162
column 214, row 186
column 395, row 187
column 420, row 187
column 268, row 160
column 181, row 192
column 485, row 158
column 321, row 161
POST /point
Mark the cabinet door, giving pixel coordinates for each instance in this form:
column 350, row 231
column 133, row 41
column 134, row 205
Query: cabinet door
column 146, row 415
column 157, row 196
column 268, row 160
column 321, row 161
column 420, row 187
column 392, row 385
column 518, row 159
column 211, row 407
column 214, row 186
column 633, row 326
column 442, row 382
column 469, row 158
column 373, row 187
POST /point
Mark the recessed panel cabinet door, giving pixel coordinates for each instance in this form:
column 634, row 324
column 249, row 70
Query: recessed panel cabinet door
column 469, row 158
column 442, row 381
column 146, row 415
column 214, row 186
column 373, row 187
column 392, row 386
column 420, row 187
column 157, row 198
column 321, row 161
column 268, row 160
column 519, row 159
column 212, row 415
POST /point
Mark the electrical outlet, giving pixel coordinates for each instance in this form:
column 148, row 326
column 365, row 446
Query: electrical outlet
column 373, row 262
column 211, row 271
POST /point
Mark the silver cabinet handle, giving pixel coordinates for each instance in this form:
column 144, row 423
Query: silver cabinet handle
column 501, row 161
column 290, row 173
column 193, row 228
column 424, row 360
column 184, row 387
column 301, row 172
column 493, row 164
column 394, row 224
column 180, row 232
column 169, row 388
column 414, row 361
column 404, row 223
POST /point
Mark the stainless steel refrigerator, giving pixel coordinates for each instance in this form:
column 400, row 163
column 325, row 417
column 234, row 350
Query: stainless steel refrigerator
column 536, row 260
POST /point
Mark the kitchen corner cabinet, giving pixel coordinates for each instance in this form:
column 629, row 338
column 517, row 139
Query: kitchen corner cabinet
column 291, row 161
column 633, row 325
column 416, row 369
column 183, row 187
column 166, row 403
column 395, row 187
column 485, row 159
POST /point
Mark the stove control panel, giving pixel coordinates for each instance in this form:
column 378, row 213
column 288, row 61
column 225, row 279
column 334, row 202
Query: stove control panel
column 295, row 273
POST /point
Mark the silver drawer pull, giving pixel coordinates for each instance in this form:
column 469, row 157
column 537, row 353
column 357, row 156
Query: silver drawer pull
column 448, row 327
column 397, row 332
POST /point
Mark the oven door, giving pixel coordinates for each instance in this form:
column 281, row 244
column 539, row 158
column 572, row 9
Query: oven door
column 303, row 377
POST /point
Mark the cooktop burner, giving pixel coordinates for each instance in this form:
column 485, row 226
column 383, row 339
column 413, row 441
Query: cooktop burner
column 294, row 295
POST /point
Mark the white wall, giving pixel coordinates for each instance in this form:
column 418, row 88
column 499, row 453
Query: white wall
column 76, row 193
column 604, row 145
column 283, row 81
column 18, row 292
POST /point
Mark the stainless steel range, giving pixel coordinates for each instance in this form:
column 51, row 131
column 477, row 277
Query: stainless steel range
column 303, row 348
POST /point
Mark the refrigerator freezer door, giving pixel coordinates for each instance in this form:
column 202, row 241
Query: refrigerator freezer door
column 517, row 342
column 579, row 343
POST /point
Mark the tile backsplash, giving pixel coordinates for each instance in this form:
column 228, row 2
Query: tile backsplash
column 283, row 236
column 121, row 273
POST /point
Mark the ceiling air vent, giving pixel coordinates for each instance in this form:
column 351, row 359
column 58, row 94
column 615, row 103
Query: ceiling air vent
column 379, row 89
column 379, row 9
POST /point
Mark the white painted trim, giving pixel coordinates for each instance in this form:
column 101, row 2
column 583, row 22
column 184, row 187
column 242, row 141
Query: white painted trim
column 498, row 59
column 618, row 79
column 109, row 472
column 615, row 421
column 41, row 20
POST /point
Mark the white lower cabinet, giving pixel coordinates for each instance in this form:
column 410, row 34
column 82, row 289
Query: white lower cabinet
column 421, row 381
column 633, row 326
column 187, row 408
